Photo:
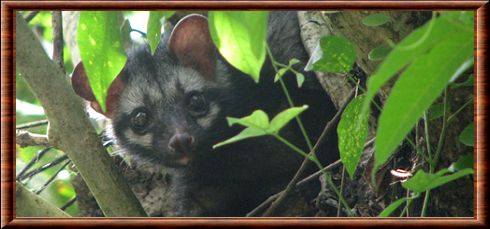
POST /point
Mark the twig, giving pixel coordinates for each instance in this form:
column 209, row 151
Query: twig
column 43, row 168
column 328, row 128
column 25, row 138
column 256, row 211
column 38, row 157
column 31, row 16
column 320, row 172
column 57, row 21
column 69, row 203
column 52, row 177
column 31, row 124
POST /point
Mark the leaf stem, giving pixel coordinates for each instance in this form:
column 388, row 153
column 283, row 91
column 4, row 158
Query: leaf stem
column 290, row 101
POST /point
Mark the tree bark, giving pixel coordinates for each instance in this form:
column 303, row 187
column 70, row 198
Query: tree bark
column 70, row 129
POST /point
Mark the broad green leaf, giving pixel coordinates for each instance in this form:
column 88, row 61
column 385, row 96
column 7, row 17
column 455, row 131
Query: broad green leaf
column 241, row 38
column 280, row 73
column 464, row 162
column 101, row 50
column 392, row 207
column 338, row 55
column 352, row 132
column 379, row 53
column 410, row 48
column 281, row 119
column 246, row 133
column 155, row 23
column 300, row 79
column 416, row 89
column 467, row 135
column 375, row 19
column 258, row 120
column 422, row 181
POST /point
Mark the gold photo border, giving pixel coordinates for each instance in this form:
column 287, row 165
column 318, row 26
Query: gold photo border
column 8, row 9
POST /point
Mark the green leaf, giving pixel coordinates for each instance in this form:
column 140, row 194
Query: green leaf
column 379, row 53
column 155, row 23
column 416, row 89
column 392, row 207
column 352, row 132
column 241, row 38
column 101, row 50
column 338, row 55
column 246, row 133
column 410, row 48
column 422, row 181
column 293, row 61
column 436, row 111
column 281, row 119
column 258, row 119
column 300, row 79
column 280, row 73
column 375, row 19
column 464, row 162
column 467, row 135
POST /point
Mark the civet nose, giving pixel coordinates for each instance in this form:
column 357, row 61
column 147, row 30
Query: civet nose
column 181, row 143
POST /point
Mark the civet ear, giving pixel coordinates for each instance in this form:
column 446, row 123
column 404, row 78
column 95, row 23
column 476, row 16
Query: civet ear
column 81, row 86
column 191, row 43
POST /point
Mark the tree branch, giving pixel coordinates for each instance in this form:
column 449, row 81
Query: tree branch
column 29, row 204
column 25, row 138
column 70, row 129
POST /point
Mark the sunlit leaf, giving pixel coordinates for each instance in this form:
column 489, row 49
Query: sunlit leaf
column 338, row 55
column 101, row 50
column 423, row 181
column 352, row 132
column 281, row 119
column 241, row 38
column 416, row 89
column 246, row 133
column 280, row 73
column 411, row 47
column 258, row 119
column 155, row 23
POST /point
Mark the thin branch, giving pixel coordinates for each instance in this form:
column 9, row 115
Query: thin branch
column 25, row 138
column 328, row 128
column 32, row 124
column 69, row 203
column 31, row 16
column 52, row 177
column 327, row 168
column 43, row 168
column 263, row 206
column 57, row 21
column 38, row 157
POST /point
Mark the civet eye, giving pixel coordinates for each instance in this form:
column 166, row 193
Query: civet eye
column 140, row 119
column 196, row 103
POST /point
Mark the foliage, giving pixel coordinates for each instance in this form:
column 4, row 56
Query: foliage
column 101, row 49
column 241, row 38
column 352, row 132
column 426, row 61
